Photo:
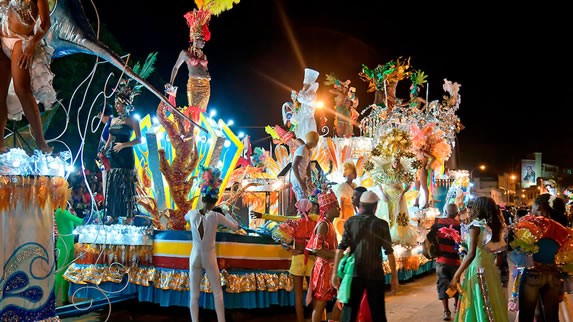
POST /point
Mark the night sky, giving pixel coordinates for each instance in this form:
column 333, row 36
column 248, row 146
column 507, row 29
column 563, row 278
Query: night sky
column 511, row 62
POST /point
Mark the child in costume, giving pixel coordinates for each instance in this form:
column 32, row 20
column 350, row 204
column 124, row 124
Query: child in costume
column 323, row 243
column 204, row 223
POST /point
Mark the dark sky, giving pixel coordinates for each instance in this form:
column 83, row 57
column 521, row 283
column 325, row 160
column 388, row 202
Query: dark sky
column 512, row 63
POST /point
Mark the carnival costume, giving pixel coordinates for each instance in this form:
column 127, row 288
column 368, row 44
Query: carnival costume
column 295, row 230
column 41, row 75
column 320, row 283
column 432, row 150
column 300, row 113
column 198, row 82
column 203, row 255
column 395, row 147
column 482, row 297
column 344, row 192
column 121, row 178
column 548, row 248
column 346, row 103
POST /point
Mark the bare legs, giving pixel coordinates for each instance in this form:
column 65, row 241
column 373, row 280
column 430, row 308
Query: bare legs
column 298, row 299
column 23, row 88
column 318, row 312
column 5, row 76
column 423, row 187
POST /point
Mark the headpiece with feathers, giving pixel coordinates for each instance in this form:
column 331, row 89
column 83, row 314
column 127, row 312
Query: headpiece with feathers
column 198, row 23
column 211, row 181
column 216, row 6
column 395, row 143
column 126, row 92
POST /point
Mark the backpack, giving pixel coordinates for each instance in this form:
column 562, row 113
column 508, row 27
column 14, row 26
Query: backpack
column 431, row 247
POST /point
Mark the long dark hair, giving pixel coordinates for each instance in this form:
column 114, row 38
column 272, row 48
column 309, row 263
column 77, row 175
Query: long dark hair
column 543, row 202
column 486, row 208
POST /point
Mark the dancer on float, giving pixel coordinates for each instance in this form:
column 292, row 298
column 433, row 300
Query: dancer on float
column 346, row 103
column 120, row 186
column 392, row 166
column 25, row 65
column 302, row 107
column 323, row 244
column 203, row 258
column 198, row 87
column 432, row 150
column 300, row 177
column 481, row 297
column 345, row 192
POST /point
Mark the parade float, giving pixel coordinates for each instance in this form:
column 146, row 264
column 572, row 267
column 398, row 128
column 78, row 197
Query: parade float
column 151, row 262
column 31, row 189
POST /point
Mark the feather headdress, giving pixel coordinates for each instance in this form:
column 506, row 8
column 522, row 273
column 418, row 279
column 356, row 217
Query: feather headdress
column 125, row 91
column 216, row 6
column 395, row 143
column 198, row 23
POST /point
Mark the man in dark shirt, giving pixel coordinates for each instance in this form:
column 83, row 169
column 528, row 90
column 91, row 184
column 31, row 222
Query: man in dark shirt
column 365, row 235
column 358, row 191
column 448, row 259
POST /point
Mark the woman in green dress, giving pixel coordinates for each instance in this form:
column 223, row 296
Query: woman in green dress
column 481, row 297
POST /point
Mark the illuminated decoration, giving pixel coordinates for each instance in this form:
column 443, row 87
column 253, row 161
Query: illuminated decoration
column 218, row 146
column 389, row 110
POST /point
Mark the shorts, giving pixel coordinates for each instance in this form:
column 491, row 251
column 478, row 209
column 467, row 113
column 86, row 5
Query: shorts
column 297, row 266
column 445, row 273
column 298, row 192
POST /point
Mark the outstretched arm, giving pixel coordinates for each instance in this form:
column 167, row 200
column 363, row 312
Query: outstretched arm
column 228, row 220
column 180, row 60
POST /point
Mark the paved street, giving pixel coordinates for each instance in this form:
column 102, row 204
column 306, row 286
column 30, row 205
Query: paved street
column 414, row 301
column 414, row 298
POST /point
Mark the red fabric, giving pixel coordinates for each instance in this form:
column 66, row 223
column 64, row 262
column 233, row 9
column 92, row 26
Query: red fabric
column 99, row 199
column 299, row 229
column 322, row 289
column 326, row 201
column 364, row 314
column 223, row 263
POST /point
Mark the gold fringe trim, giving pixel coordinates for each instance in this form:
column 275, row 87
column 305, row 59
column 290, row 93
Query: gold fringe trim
column 177, row 280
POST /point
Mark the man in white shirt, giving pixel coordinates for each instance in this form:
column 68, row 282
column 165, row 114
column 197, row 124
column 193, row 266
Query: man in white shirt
column 300, row 166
